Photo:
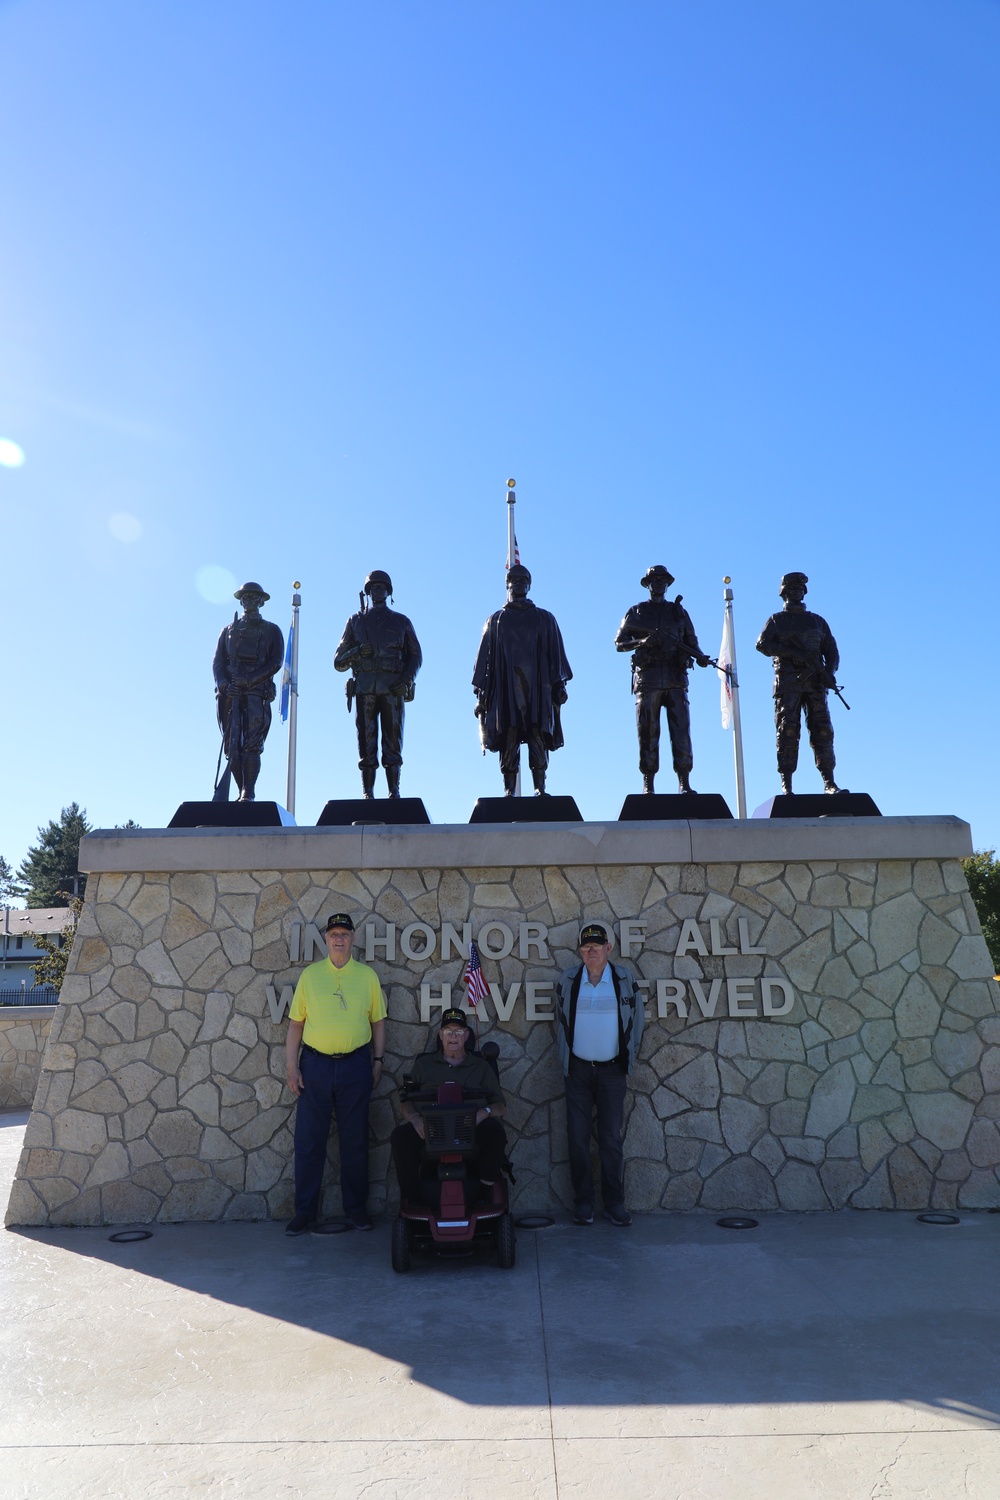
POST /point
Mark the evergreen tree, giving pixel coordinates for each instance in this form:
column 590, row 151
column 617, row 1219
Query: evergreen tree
column 52, row 968
column 982, row 871
column 49, row 869
column 8, row 884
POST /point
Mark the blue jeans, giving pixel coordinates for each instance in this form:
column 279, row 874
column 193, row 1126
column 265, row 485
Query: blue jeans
column 341, row 1087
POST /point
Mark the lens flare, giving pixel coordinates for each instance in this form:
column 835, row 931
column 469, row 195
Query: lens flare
column 215, row 584
column 11, row 454
column 123, row 527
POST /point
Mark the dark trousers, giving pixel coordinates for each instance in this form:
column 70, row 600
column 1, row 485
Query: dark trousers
column 407, row 1153
column 371, row 710
column 788, row 708
column 510, row 755
column 339, row 1086
column 599, row 1086
column 648, row 704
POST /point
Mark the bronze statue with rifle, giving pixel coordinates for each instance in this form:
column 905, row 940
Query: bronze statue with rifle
column 380, row 649
column 806, row 659
column 664, row 647
column 250, row 651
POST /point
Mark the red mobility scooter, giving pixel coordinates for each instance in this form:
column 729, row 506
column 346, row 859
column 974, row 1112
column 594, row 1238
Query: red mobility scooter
column 455, row 1212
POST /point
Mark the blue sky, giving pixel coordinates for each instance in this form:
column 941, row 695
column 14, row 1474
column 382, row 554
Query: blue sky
column 291, row 290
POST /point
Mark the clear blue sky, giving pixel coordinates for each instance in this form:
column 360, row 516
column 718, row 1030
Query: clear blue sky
column 289, row 290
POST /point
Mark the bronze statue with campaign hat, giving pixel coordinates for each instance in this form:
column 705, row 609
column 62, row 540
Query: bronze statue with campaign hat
column 806, row 659
column 380, row 649
column 659, row 633
column 249, row 653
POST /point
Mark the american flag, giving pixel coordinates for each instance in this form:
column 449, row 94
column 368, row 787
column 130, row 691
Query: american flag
column 476, row 987
column 512, row 561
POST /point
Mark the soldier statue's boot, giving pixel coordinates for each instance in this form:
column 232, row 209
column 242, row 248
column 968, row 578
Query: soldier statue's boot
column 368, row 781
column 251, row 770
column 684, row 781
column 392, row 780
column 786, row 783
column 509, row 783
column 647, row 783
column 538, row 777
column 829, row 785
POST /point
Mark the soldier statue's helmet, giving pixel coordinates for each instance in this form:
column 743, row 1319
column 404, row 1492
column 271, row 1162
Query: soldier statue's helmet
column 656, row 571
column 251, row 588
column 378, row 575
column 516, row 570
column 794, row 580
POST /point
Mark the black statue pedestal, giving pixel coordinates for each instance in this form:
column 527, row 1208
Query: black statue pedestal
column 526, row 810
column 819, row 805
column 660, row 807
column 231, row 815
column 345, row 812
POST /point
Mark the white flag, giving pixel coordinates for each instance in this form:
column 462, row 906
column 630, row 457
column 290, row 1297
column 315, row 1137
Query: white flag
column 725, row 666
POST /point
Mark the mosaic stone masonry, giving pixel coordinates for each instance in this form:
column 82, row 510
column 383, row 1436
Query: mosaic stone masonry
column 23, row 1030
column 162, row 1093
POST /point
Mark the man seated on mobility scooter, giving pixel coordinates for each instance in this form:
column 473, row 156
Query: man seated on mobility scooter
column 452, row 1105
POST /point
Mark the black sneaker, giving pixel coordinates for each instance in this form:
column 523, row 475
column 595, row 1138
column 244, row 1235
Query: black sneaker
column 301, row 1224
column 359, row 1221
column 619, row 1216
column 583, row 1215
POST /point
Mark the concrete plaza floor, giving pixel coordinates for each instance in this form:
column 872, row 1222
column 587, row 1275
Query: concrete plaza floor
column 838, row 1355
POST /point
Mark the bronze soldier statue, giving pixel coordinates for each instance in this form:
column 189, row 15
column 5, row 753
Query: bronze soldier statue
column 520, row 683
column 249, row 653
column 380, row 648
column 661, row 637
column 805, row 663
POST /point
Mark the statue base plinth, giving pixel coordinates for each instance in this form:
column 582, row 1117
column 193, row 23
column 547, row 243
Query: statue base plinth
column 231, row 815
column 526, row 810
column 347, row 812
column 819, row 805
column 662, row 807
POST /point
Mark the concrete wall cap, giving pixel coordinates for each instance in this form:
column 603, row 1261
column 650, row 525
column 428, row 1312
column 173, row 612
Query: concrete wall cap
column 464, row 846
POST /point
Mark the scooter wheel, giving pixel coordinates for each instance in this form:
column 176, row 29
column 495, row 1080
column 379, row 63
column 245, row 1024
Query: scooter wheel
column 402, row 1240
column 505, row 1241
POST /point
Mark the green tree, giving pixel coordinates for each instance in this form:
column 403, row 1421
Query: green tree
column 8, row 884
column 48, row 873
column 52, row 968
column 982, row 871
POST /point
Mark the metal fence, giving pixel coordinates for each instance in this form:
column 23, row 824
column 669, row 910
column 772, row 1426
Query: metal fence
column 36, row 994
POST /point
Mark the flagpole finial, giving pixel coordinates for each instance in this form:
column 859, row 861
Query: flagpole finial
column 296, row 584
column 512, row 484
column 726, row 579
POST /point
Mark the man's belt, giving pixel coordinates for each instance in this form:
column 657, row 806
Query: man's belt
column 316, row 1051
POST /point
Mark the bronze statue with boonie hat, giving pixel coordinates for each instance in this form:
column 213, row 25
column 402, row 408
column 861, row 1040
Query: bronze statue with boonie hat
column 659, row 633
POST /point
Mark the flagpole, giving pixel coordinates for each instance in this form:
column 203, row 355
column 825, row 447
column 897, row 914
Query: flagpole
column 511, row 538
column 293, row 702
column 512, row 558
column 741, row 795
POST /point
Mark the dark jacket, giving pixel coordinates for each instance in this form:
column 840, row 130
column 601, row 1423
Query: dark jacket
column 520, row 670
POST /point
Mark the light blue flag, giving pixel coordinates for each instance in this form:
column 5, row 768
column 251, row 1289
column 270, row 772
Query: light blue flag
column 286, row 673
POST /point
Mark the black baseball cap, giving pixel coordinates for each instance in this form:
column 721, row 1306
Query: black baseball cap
column 594, row 933
column 340, row 919
column 454, row 1017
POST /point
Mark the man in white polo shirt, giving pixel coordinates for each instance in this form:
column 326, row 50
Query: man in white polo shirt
column 600, row 1027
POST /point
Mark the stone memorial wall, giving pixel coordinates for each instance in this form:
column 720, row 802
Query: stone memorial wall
column 823, row 1027
column 23, row 1029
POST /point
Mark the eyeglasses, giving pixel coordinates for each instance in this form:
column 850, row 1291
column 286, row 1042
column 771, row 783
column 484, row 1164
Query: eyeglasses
column 338, row 994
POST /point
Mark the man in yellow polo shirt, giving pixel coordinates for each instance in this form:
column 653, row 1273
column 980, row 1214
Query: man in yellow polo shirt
column 337, row 1014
